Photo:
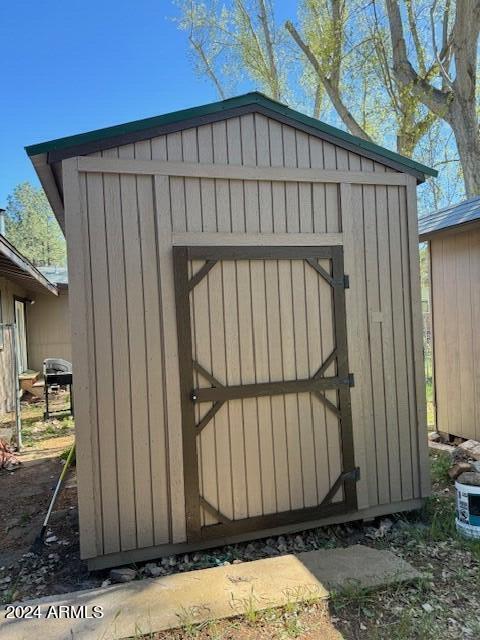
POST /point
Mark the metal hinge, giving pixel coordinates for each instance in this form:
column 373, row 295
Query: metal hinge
column 341, row 282
column 351, row 380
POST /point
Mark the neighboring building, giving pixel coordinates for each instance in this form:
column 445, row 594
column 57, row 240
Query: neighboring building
column 49, row 322
column 453, row 234
column 21, row 285
column 228, row 383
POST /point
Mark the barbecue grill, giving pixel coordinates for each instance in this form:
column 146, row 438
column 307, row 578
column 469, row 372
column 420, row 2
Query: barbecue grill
column 57, row 373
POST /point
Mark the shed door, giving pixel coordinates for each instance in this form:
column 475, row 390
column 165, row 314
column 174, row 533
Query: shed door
column 267, row 431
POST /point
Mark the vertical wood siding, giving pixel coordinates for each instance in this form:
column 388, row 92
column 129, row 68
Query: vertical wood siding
column 288, row 451
column 48, row 329
column 379, row 316
column 455, row 265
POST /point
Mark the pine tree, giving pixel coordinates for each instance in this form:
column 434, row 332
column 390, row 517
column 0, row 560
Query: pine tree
column 32, row 228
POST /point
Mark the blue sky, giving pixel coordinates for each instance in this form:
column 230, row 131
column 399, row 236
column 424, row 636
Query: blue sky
column 71, row 66
column 74, row 66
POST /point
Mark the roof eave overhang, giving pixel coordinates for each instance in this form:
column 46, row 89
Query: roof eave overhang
column 14, row 266
column 445, row 231
column 49, row 183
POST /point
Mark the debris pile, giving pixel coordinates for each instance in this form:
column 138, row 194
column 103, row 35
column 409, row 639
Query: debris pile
column 8, row 460
column 465, row 458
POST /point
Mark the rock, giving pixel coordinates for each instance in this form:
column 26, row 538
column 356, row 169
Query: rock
column 51, row 539
column 271, row 551
column 471, row 478
column 123, row 574
column 471, row 448
column 434, row 436
column 459, row 468
column 427, row 607
column 153, row 570
column 385, row 525
column 299, row 543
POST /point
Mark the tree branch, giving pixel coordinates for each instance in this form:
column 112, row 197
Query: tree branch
column 269, row 45
column 436, row 100
column 208, row 67
column 332, row 90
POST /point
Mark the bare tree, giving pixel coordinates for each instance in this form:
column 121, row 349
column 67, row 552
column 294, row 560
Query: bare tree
column 337, row 60
column 244, row 36
column 329, row 18
column 454, row 99
column 327, row 64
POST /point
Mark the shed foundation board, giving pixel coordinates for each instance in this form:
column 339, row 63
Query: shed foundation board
column 150, row 553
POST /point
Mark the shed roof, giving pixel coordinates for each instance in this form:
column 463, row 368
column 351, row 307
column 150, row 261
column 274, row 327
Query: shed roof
column 47, row 156
column 14, row 266
column 222, row 107
column 450, row 217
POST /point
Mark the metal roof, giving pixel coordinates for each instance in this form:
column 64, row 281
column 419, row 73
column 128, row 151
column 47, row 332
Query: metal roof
column 449, row 217
column 58, row 148
column 16, row 267
column 56, row 275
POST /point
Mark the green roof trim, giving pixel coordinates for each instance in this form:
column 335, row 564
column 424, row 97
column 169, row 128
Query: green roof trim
column 218, row 107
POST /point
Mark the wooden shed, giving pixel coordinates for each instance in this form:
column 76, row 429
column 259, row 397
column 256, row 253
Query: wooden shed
column 453, row 236
column 246, row 326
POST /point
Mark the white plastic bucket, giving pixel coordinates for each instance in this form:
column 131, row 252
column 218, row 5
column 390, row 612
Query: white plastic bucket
column 468, row 510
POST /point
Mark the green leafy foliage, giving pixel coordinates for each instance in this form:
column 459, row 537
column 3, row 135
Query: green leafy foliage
column 32, row 228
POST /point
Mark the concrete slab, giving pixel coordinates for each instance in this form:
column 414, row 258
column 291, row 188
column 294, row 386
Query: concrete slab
column 146, row 606
column 369, row 568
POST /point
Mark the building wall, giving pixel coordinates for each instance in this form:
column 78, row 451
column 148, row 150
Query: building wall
column 120, row 232
column 8, row 290
column 48, row 329
column 455, row 273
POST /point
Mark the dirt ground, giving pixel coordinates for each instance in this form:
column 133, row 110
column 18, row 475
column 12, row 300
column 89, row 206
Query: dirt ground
column 445, row 603
column 24, row 498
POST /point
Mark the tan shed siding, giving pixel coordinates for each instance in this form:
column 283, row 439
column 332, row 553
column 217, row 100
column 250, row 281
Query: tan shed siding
column 455, row 264
column 125, row 308
column 287, row 451
column 48, row 329
column 380, row 344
